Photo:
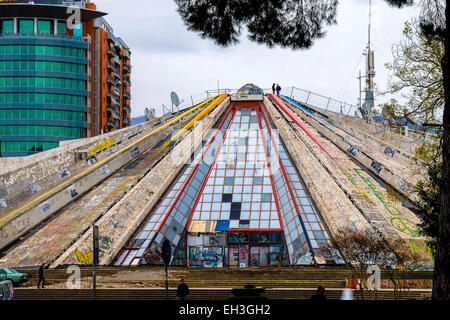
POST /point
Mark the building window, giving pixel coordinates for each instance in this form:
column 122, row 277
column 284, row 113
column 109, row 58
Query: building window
column 44, row 27
column 61, row 29
column 7, row 26
column 26, row 26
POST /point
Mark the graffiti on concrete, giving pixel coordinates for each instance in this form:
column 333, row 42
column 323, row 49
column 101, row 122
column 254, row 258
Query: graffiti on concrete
column 3, row 204
column 406, row 226
column 352, row 150
column 35, row 188
column 45, row 206
column 3, row 233
column 134, row 151
column 85, row 258
column 21, row 223
column 360, row 192
column 91, row 160
column 207, row 256
column 64, row 173
column 399, row 223
column 102, row 146
column 105, row 170
column 389, row 152
column 72, row 191
column 376, row 166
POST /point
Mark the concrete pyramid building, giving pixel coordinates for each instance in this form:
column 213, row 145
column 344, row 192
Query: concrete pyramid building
column 239, row 180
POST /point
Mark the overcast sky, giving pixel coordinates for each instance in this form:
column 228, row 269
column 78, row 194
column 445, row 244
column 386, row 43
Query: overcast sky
column 166, row 57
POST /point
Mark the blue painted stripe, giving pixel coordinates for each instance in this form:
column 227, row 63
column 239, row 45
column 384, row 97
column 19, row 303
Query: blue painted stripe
column 56, row 123
column 75, row 92
column 23, row 57
column 300, row 107
column 45, row 106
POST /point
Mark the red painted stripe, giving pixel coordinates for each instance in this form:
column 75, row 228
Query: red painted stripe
column 296, row 119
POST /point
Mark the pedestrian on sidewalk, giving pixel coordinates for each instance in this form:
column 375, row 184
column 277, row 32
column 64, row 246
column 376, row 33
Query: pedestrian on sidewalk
column 320, row 294
column 41, row 276
column 182, row 290
column 273, row 88
column 278, row 90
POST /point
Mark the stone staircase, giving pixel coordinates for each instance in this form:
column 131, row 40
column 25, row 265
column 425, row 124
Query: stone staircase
column 289, row 277
column 196, row 294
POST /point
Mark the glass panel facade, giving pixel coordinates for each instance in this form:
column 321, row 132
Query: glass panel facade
column 26, row 26
column 41, row 50
column 44, row 27
column 7, row 26
column 61, row 28
column 30, row 103
column 48, row 66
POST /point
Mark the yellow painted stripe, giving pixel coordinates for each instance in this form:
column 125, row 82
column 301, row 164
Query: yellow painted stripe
column 68, row 182
column 192, row 122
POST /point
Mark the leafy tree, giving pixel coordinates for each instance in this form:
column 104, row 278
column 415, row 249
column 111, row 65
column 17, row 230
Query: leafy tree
column 296, row 24
column 288, row 23
column 416, row 68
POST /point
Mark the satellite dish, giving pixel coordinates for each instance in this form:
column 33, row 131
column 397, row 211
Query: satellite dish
column 174, row 98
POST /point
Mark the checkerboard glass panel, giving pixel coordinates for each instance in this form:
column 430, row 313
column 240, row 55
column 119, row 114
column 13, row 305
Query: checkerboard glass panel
column 239, row 188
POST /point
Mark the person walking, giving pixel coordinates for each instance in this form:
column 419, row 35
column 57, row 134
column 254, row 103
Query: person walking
column 278, row 90
column 41, row 276
column 320, row 294
column 273, row 88
column 182, row 290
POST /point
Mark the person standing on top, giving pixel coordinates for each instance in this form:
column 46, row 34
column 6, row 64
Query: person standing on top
column 273, row 88
column 278, row 90
column 41, row 276
column 182, row 290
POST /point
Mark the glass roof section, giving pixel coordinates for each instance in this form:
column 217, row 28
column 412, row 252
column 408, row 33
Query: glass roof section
column 250, row 88
column 243, row 180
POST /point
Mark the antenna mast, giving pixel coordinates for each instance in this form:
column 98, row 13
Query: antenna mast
column 369, row 101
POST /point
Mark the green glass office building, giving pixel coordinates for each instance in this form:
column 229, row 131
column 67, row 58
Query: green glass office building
column 44, row 81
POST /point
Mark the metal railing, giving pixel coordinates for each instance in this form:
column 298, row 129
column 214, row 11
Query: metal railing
column 305, row 96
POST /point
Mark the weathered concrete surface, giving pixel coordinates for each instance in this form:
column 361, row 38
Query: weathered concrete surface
column 119, row 223
column 50, row 241
column 15, row 223
column 397, row 175
column 376, row 204
column 376, row 134
column 41, row 172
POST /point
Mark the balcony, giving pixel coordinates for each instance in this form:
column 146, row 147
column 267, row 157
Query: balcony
column 112, row 81
column 127, row 94
column 127, row 108
column 111, row 52
column 126, row 68
column 111, row 67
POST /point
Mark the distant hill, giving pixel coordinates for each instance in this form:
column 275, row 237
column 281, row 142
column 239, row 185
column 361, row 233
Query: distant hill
column 137, row 120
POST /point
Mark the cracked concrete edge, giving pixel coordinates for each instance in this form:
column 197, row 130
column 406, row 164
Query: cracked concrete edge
column 164, row 172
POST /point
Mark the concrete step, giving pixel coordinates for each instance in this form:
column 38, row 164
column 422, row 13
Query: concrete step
column 196, row 294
